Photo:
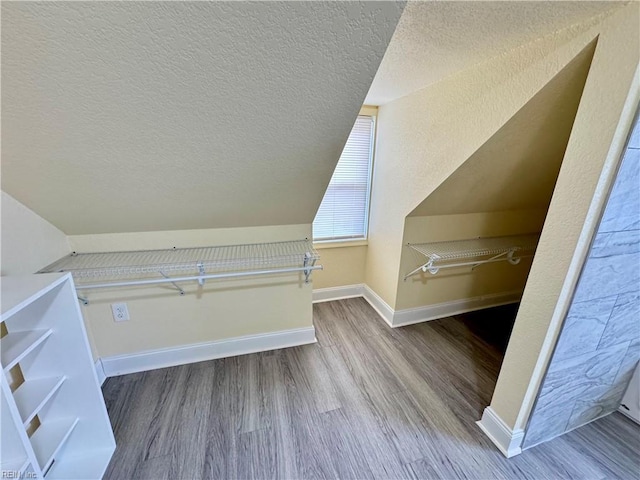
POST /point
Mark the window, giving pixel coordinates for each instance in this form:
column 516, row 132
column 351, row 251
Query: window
column 344, row 211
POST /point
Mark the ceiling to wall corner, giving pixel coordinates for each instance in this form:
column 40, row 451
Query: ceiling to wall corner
column 435, row 39
column 517, row 168
column 141, row 116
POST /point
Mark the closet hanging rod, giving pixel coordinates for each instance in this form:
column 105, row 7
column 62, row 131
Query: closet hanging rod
column 153, row 281
column 177, row 265
column 433, row 269
column 508, row 248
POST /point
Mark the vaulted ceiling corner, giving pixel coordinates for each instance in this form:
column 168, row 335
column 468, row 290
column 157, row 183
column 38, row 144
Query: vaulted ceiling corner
column 517, row 168
column 143, row 116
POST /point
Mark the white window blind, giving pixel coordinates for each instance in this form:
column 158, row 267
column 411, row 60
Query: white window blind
column 343, row 213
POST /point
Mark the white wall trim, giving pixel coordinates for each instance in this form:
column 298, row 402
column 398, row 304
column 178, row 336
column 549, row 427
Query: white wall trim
column 454, row 307
column 169, row 357
column 337, row 293
column 401, row 318
column 100, row 372
column 379, row 305
column 508, row 441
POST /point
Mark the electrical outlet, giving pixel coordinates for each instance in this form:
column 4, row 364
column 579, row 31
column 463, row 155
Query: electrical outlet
column 120, row 312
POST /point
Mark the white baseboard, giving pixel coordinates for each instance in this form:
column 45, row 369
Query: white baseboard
column 401, row 318
column 149, row 360
column 508, row 441
column 337, row 293
column 100, row 372
column 454, row 307
column 169, row 357
column 379, row 305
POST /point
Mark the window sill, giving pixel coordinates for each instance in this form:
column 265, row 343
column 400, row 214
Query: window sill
column 340, row 244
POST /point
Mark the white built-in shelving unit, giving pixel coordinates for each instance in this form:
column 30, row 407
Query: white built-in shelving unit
column 53, row 420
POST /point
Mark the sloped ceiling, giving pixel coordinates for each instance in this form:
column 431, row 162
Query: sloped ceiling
column 435, row 39
column 517, row 168
column 140, row 116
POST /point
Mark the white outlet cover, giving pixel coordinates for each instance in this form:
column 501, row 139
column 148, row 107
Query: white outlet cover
column 120, row 312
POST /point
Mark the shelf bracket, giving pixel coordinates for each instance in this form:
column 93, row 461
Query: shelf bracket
column 511, row 259
column 202, row 273
column 430, row 267
column 492, row 259
column 427, row 267
column 307, row 263
column 172, row 283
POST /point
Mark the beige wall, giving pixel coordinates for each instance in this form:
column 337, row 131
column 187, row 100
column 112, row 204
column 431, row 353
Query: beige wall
column 28, row 241
column 343, row 265
column 114, row 242
column 517, row 168
column 161, row 318
column 504, row 188
column 424, row 137
column 593, row 151
column 460, row 283
column 186, row 123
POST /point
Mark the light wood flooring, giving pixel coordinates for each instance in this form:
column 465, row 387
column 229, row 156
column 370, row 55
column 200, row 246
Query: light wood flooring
column 365, row 402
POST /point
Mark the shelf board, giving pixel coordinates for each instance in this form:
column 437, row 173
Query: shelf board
column 473, row 252
column 19, row 291
column 15, row 346
column 49, row 439
column 476, row 247
column 90, row 464
column 149, row 264
column 32, row 395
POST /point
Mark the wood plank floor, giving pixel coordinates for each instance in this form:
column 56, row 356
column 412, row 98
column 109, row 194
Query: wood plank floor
column 365, row 402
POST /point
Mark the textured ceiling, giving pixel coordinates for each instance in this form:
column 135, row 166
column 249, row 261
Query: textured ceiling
column 517, row 168
column 435, row 39
column 139, row 116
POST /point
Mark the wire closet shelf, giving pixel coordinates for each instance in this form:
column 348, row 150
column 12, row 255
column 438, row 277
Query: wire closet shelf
column 473, row 252
column 176, row 265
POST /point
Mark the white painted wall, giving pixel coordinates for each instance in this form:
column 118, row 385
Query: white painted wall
column 28, row 241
